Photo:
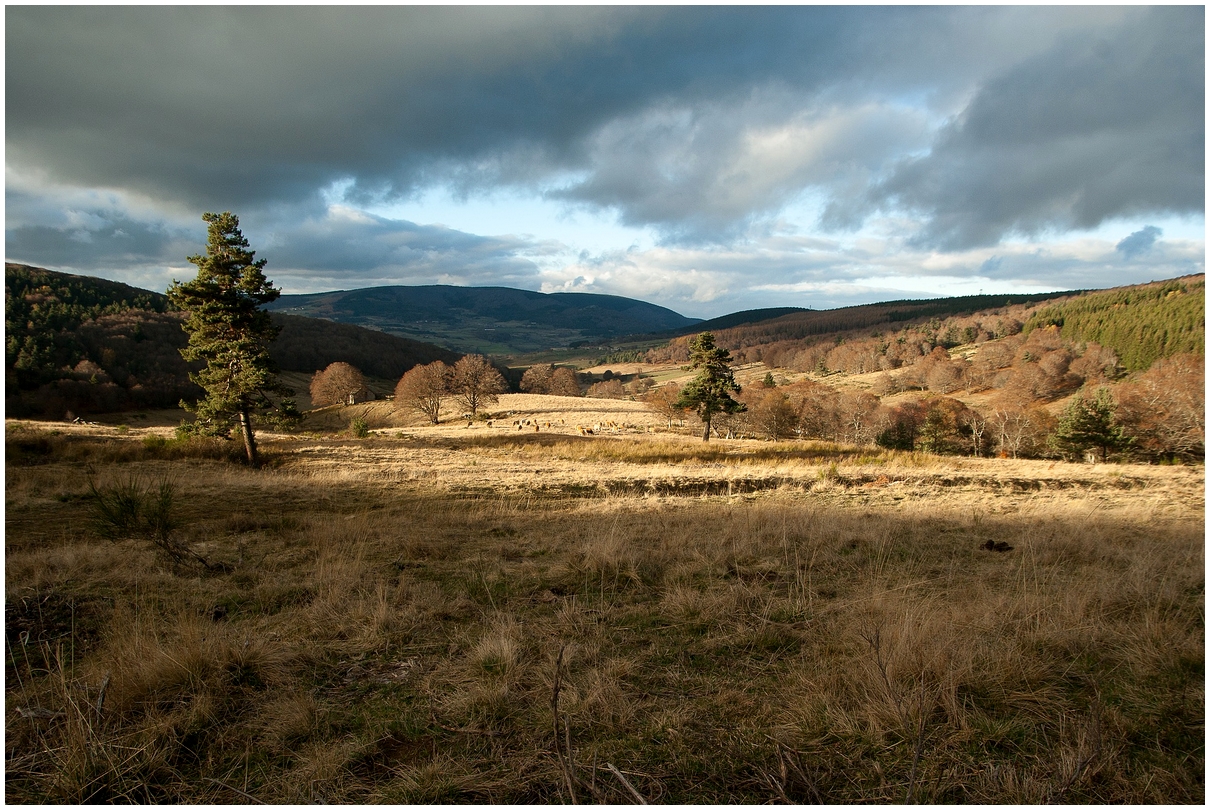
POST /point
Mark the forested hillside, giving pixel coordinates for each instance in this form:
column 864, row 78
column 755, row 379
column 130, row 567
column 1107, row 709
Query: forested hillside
column 85, row 345
column 1138, row 324
column 1142, row 324
column 43, row 310
column 310, row 344
column 814, row 323
column 490, row 320
column 1026, row 380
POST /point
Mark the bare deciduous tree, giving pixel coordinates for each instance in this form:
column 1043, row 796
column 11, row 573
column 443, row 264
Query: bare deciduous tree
column 537, row 379
column 336, row 384
column 663, row 400
column 563, row 383
column 423, row 388
column 1164, row 410
column 476, row 382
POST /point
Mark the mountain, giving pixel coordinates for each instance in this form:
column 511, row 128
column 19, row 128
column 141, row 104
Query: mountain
column 491, row 320
column 811, row 323
column 747, row 316
column 88, row 345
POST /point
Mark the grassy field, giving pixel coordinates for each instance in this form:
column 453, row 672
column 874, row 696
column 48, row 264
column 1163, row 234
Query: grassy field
column 492, row 614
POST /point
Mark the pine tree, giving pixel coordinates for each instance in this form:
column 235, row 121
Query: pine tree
column 709, row 393
column 231, row 333
column 1090, row 424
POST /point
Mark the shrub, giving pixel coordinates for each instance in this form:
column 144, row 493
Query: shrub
column 609, row 389
column 134, row 508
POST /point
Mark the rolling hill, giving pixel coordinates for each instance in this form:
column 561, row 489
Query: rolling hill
column 1141, row 323
column 88, row 345
column 490, row 320
column 810, row 323
column 734, row 319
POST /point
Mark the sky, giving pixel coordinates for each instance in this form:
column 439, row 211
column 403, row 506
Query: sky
column 707, row 159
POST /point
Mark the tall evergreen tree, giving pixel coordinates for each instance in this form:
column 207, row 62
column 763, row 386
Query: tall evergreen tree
column 230, row 332
column 709, row 393
column 1089, row 424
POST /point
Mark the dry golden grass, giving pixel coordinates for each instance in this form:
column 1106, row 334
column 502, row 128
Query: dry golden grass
column 387, row 619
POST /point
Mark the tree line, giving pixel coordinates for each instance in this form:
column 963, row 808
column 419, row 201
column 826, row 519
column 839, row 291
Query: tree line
column 1136, row 325
column 77, row 345
column 1156, row 416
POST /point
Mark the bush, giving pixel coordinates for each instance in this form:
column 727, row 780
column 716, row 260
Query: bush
column 359, row 428
column 145, row 510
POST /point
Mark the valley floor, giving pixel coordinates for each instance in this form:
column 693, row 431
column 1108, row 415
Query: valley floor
column 491, row 614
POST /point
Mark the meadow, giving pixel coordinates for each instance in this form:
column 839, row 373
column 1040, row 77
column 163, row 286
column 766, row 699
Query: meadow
column 504, row 614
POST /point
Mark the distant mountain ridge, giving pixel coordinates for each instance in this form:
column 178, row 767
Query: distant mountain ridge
column 747, row 316
column 90, row 345
column 492, row 320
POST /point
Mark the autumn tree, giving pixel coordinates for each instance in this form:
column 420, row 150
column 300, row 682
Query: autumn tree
column 1164, row 409
column 709, row 393
column 663, row 400
column 475, row 382
column 902, row 426
column 607, row 389
column 537, row 379
column 230, row 332
column 947, row 426
column 819, row 412
column 775, row 415
column 338, row 384
column 423, row 388
column 639, row 386
column 1097, row 365
column 563, row 383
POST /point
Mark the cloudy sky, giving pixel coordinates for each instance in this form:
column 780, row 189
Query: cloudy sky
column 706, row 159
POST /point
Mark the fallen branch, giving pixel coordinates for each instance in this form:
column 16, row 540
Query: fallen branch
column 638, row 797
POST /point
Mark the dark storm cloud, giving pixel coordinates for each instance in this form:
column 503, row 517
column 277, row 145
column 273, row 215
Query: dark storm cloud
column 350, row 243
column 101, row 243
column 1098, row 127
column 228, row 107
column 340, row 243
column 703, row 123
column 705, row 174
column 1139, row 242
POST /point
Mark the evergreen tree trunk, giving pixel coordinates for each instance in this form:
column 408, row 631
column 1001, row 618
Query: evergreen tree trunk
column 706, row 432
column 245, row 424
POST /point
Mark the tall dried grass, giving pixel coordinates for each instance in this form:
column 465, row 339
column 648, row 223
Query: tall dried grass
column 384, row 639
